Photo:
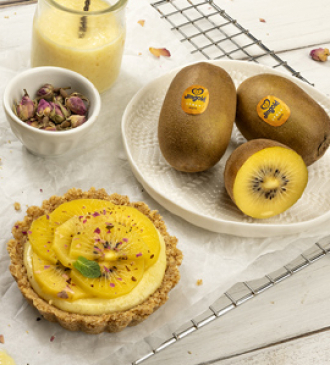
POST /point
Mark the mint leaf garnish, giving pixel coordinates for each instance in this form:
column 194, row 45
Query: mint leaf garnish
column 89, row 269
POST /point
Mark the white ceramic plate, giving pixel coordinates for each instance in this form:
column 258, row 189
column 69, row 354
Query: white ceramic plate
column 200, row 198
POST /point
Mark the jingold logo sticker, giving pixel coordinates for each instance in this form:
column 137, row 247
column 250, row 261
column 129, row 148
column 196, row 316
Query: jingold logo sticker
column 195, row 100
column 273, row 111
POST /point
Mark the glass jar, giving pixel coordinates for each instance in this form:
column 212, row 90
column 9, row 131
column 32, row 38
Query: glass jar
column 89, row 42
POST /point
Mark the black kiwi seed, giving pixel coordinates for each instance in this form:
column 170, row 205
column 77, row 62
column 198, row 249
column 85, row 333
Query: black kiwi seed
column 270, row 194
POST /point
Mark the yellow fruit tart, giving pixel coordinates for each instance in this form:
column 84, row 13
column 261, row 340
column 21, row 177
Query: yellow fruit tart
column 94, row 262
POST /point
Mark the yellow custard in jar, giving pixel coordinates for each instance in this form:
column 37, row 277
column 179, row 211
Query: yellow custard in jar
column 90, row 44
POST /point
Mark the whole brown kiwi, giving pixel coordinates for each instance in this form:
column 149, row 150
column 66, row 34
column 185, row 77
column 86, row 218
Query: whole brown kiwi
column 193, row 143
column 307, row 129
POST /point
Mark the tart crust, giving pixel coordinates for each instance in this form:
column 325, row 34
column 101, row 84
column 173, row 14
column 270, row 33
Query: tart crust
column 113, row 322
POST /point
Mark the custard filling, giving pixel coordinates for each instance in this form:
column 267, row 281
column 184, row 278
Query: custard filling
column 92, row 257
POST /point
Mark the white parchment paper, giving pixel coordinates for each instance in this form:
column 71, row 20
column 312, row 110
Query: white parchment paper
column 100, row 161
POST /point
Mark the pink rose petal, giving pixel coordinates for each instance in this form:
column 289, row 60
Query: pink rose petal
column 157, row 52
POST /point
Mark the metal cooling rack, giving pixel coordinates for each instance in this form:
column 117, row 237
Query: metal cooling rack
column 210, row 32
column 241, row 293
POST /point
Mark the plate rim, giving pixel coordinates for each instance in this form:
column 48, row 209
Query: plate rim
column 252, row 229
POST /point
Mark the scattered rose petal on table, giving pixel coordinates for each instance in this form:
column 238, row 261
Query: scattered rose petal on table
column 320, row 54
column 141, row 22
column 262, row 20
column 160, row 52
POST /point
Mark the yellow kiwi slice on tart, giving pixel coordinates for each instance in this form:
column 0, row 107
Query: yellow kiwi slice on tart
column 63, row 239
column 265, row 178
column 78, row 207
column 101, row 239
column 55, row 279
column 119, row 242
column 41, row 235
column 137, row 222
column 115, row 278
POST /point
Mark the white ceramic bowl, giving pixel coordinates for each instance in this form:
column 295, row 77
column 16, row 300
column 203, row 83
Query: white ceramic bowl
column 41, row 142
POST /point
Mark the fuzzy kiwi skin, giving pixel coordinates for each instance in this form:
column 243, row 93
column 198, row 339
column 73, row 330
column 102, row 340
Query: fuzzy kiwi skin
column 240, row 155
column 194, row 143
column 307, row 130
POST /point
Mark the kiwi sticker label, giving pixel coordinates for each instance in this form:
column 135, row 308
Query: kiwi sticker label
column 195, row 100
column 273, row 111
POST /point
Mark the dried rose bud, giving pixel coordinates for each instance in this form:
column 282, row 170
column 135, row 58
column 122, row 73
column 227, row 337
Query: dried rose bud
column 44, row 108
column 51, row 129
column 32, row 123
column 46, row 92
column 320, row 54
column 58, row 98
column 77, row 120
column 45, row 121
column 63, row 93
column 26, row 108
column 65, row 111
column 60, row 113
column 57, row 115
column 65, row 124
column 75, row 102
column 52, row 112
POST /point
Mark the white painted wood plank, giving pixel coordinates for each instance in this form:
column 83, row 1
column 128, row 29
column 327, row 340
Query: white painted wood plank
column 288, row 24
column 318, row 73
column 296, row 306
column 313, row 349
column 11, row 19
column 309, row 36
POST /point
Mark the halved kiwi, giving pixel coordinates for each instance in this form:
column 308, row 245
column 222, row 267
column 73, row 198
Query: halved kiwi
column 265, row 178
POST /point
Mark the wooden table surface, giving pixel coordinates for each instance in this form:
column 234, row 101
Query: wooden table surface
column 289, row 323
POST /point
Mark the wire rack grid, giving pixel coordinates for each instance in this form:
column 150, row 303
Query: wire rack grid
column 239, row 294
column 208, row 30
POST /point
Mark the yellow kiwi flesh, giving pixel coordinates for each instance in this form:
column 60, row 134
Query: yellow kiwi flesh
column 120, row 241
column 265, row 178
